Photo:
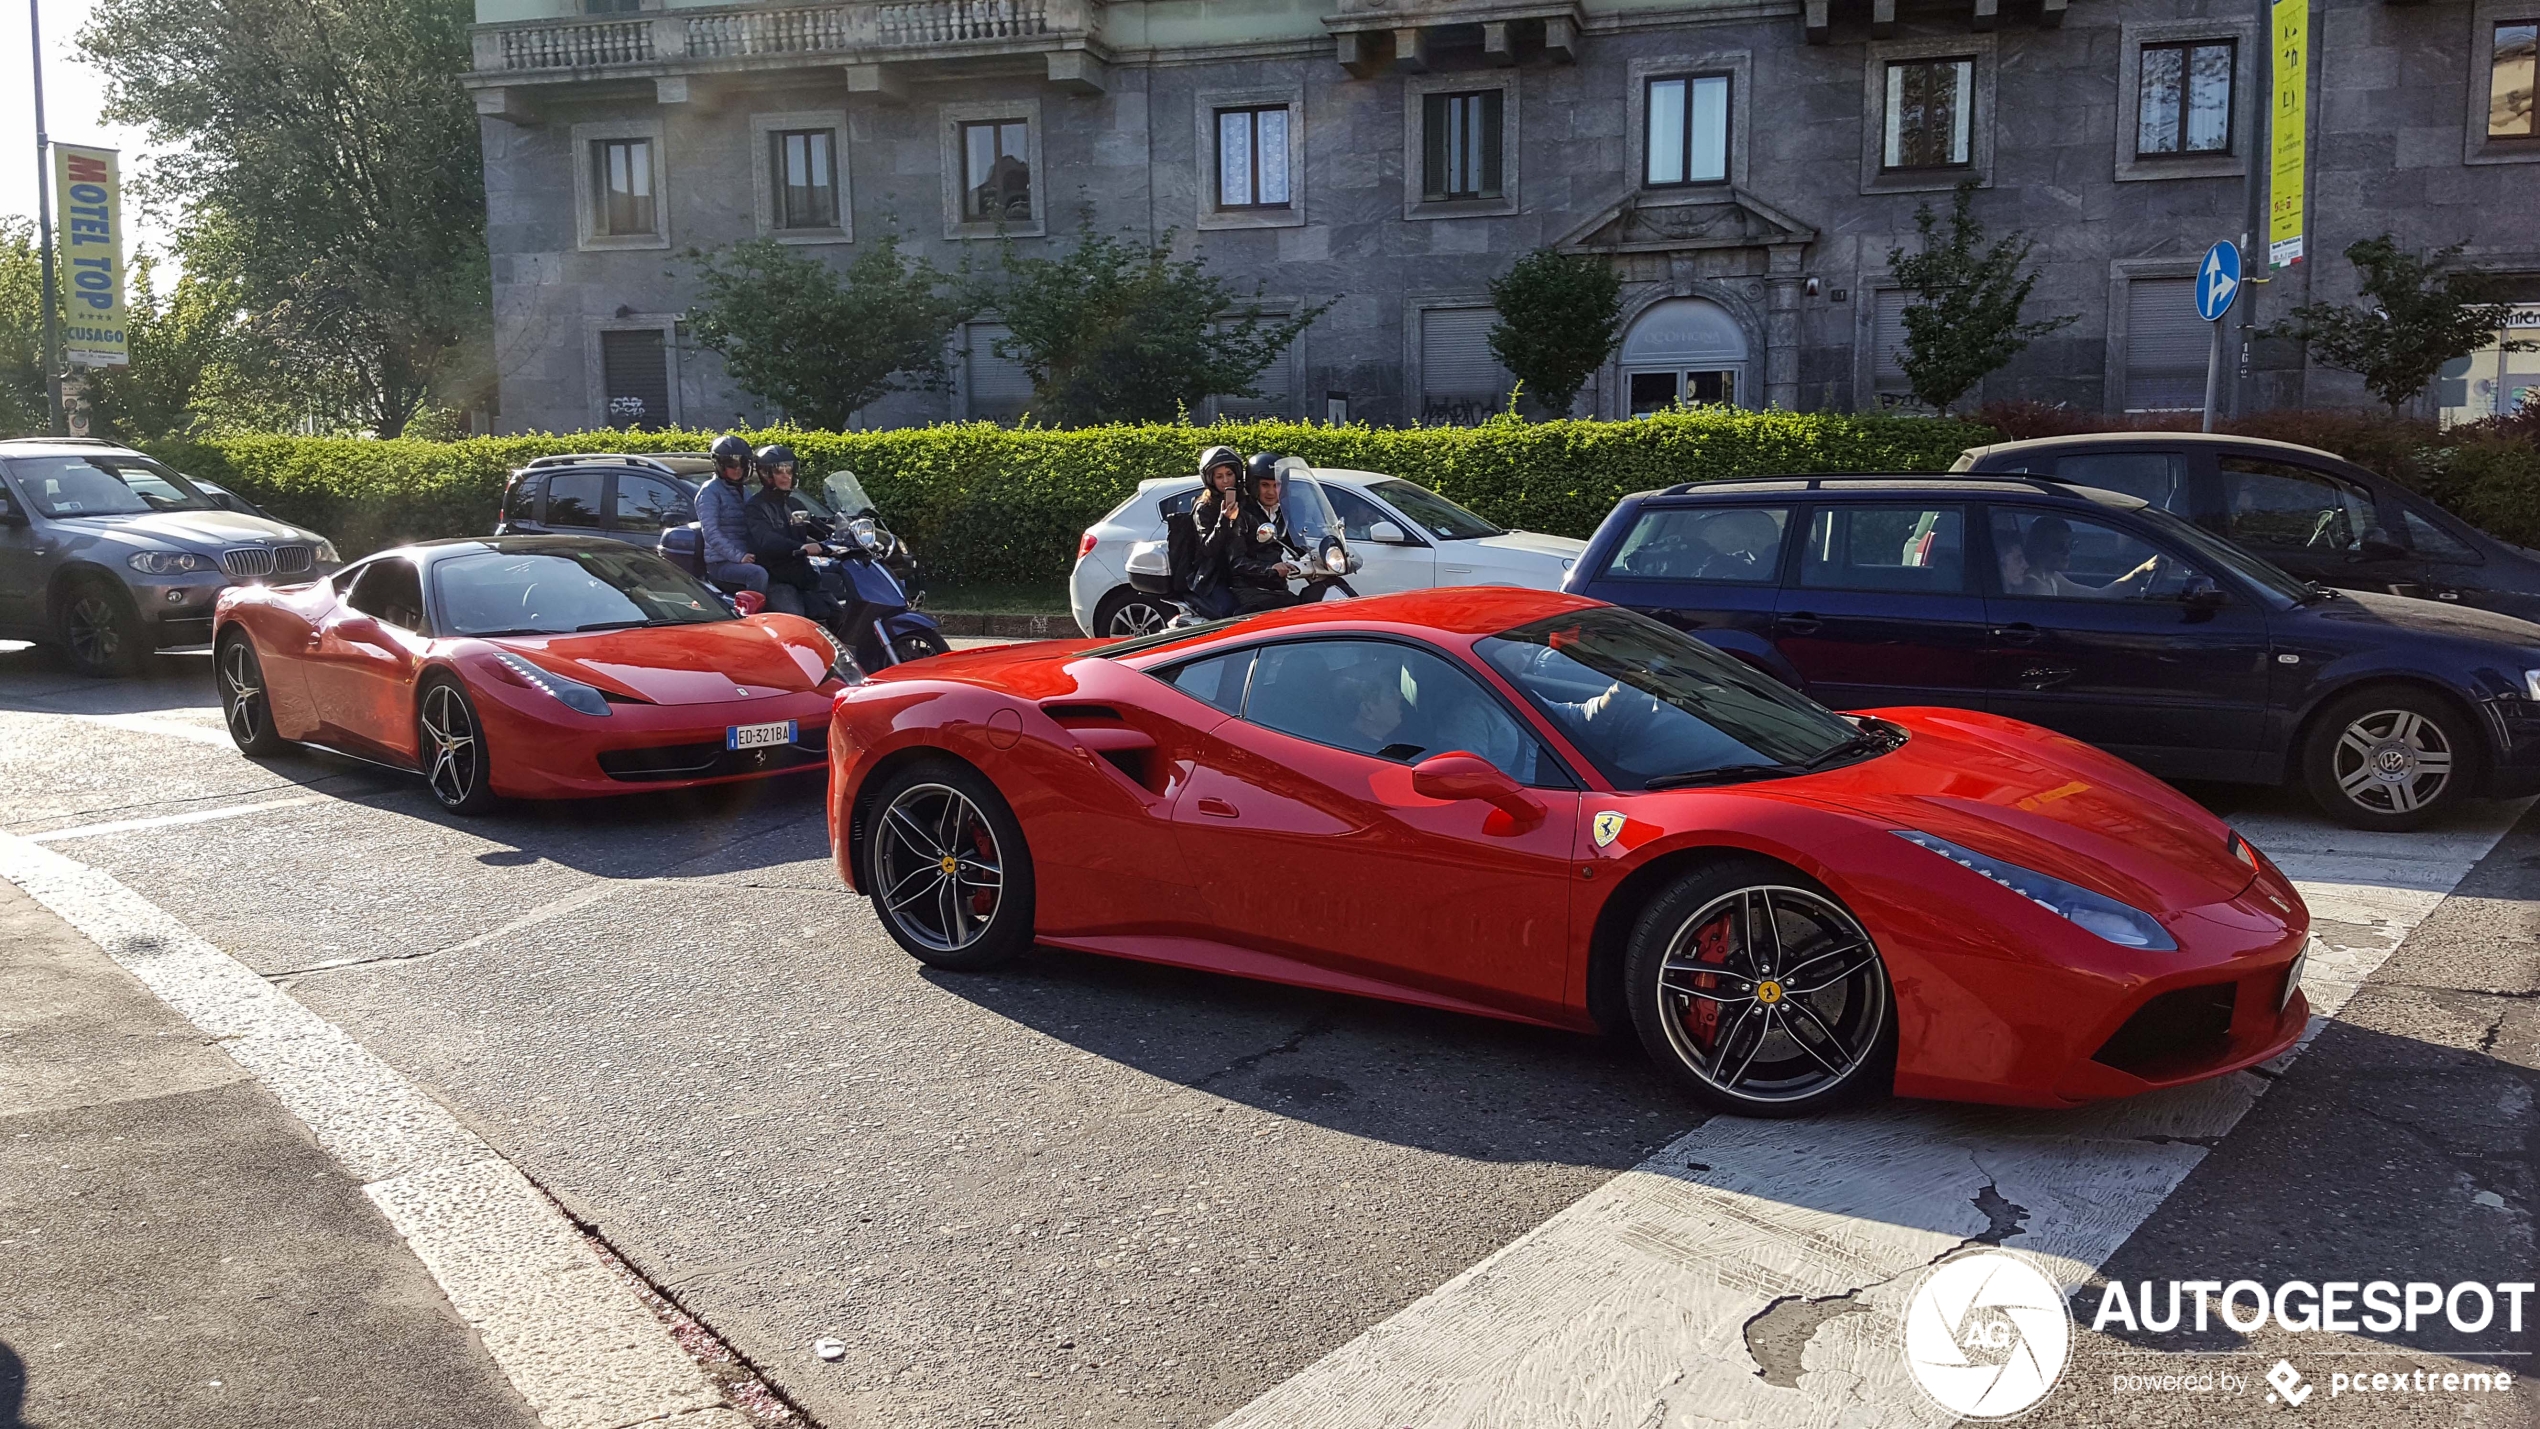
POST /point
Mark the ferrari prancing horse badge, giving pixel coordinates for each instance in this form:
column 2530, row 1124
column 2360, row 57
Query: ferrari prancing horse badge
column 1607, row 826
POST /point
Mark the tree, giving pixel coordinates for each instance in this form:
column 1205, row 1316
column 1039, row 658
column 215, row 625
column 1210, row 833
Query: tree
column 2417, row 317
column 328, row 165
column 820, row 344
column 1964, row 320
column 174, row 343
column 1119, row 332
column 23, row 408
column 1559, row 316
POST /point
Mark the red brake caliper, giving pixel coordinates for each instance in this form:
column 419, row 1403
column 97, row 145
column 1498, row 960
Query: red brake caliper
column 1702, row 1016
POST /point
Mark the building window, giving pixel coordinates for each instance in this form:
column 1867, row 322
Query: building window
column 1462, row 383
column 1252, row 157
column 2166, row 346
column 1688, row 130
column 2511, row 75
column 1930, row 113
column 635, row 377
column 611, row 7
column 623, row 178
column 2185, row 99
column 1460, row 137
column 804, row 165
column 996, row 171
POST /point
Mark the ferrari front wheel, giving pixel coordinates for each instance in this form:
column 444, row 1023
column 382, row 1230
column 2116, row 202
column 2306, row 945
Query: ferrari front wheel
column 451, row 749
column 946, row 866
column 1763, row 995
column 245, row 705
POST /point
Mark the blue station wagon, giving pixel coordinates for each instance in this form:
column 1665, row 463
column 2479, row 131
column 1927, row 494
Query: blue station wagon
column 2093, row 613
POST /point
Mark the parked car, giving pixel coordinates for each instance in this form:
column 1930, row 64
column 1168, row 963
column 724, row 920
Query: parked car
column 1409, row 537
column 228, row 500
column 109, row 555
column 2307, row 511
column 2094, row 613
column 612, row 494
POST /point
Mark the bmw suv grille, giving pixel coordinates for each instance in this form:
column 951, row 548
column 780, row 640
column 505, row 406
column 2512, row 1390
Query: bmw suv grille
column 248, row 561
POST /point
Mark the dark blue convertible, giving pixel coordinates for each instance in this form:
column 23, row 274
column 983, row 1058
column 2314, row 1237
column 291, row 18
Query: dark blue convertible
column 2091, row 613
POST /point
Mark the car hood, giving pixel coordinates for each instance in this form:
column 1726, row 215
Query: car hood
column 2040, row 800
column 2407, row 615
column 1523, row 544
column 202, row 531
column 720, row 660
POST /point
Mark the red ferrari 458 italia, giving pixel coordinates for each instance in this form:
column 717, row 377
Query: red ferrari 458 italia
column 526, row 666
column 1534, row 806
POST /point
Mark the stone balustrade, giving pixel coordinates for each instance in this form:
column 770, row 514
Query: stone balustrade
column 676, row 39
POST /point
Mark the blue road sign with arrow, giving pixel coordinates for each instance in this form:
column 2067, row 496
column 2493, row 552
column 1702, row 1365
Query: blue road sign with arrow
column 2217, row 279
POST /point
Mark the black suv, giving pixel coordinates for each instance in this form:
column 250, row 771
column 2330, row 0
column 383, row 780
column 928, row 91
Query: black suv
column 2322, row 518
column 625, row 498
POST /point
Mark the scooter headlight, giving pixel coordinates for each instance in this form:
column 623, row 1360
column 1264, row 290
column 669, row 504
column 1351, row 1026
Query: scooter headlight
column 2125, row 926
column 1336, row 560
column 865, row 533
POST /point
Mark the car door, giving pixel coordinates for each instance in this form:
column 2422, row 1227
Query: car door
column 1407, row 561
column 573, row 500
column 362, row 658
column 1712, row 571
column 2156, row 477
column 642, row 505
column 1880, row 609
column 2314, row 523
column 1311, row 844
column 23, row 561
column 2099, row 631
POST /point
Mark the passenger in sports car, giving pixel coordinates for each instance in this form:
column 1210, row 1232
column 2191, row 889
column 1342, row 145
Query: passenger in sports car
column 1258, row 567
column 784, row 534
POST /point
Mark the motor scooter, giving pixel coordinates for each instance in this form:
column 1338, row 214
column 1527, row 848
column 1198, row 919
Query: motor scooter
column 1312, row 536
column 877, row 614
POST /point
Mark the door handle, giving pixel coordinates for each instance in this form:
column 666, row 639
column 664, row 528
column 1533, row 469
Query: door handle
column 1800, row 622
column 1216, row 808
column 2021, row 633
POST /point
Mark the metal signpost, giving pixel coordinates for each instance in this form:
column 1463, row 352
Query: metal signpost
column 44, row 222
column 2217, row 283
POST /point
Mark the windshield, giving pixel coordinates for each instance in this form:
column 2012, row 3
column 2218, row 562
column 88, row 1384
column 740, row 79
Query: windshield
column 2275, row 586
column 1648, row 704
column 60, row 486
column 846, row 495
column 1437, row 515
column 558, row 593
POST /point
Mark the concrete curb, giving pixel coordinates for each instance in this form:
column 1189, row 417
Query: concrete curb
column 1003, row 625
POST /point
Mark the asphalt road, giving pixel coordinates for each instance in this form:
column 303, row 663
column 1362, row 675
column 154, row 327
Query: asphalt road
column 1074, row 1191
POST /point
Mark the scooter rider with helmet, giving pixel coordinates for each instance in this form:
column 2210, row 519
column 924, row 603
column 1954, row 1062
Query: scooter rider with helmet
column 784, row 535
column 1262, row 560
column 723, row 522
column 1203, row 558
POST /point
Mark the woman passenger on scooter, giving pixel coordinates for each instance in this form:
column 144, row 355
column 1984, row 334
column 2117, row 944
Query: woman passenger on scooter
column 1201, row 558
column 784, row 535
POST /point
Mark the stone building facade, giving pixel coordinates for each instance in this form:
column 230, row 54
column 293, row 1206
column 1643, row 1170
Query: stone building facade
column 1748, row 164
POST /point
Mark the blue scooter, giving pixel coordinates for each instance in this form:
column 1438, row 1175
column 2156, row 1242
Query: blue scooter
column 866, row 571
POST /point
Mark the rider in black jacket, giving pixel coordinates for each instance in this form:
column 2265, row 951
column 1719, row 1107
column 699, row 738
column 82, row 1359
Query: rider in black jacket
column 783, row 534
column 1260, row 563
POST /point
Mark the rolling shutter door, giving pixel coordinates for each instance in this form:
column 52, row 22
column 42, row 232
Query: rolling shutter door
column 994, row 388
column 1276, row 382
column 635, row 372
column 2166, row 346
column 1457, row 368
column 1887, row 336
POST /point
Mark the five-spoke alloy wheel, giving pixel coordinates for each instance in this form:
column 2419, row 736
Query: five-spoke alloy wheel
column 99, row 630
column 1126, row 612
column 1756, row 987
column 946, row 867
column 451, row 749
column 2389, row 758
column 244, row 704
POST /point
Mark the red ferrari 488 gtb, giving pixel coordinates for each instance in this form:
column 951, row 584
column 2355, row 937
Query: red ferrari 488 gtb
column 1534, row 806
column 526, row 666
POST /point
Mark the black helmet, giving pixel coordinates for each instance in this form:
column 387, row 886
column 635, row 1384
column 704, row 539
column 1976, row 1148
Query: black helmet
column 729, row 450
column 1263, row 466
column 1216, row 457
column 772, row 456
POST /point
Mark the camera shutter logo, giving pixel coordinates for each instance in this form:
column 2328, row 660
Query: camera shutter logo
column 1987, row 1334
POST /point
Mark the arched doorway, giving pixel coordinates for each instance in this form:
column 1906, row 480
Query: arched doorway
column 1683, row 350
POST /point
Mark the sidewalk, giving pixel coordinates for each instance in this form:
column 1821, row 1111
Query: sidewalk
column 173, row 1249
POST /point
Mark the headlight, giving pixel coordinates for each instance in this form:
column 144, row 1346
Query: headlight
column 2531, row 685
column 841, row 660
column 1337, row 559
column 2093, row 912
column 862, row 529
column 168, row 563
column 575, row 694
column 325, row 550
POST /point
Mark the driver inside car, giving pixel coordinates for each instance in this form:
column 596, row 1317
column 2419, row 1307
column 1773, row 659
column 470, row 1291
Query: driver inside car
column 2035, row 565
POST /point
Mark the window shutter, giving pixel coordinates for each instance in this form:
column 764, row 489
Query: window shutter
column 997, row 389
column 1457, row 367
column 1274, row 384
column 635, row 373
column 2166, row 346
column 1887, row 336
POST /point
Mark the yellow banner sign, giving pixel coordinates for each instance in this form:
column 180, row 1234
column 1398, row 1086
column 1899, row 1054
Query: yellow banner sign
column 2287, row 130
column 90, row 193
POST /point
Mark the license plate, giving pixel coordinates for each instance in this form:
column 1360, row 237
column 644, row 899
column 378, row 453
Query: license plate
column 2292, row 979
column 758, row 736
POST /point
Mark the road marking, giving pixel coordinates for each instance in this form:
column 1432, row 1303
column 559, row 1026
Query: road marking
column 1679, row 1293
column 577, row 1345
column 156, row 722
column 198, row 816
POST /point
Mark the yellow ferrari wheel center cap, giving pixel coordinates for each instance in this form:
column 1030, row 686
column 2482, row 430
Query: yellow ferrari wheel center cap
column 1768, row 992
column 951, row 864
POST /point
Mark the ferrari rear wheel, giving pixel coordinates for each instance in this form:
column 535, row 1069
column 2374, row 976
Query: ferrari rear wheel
column 946, row 867
column 244, row 704
column 451, row 749
column 1765, row 997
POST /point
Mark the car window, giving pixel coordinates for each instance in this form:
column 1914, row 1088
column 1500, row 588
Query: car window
column 649, row 503
column 1391, row 701
column 1431, row 512
column 390, row 591
column 558, row 592
column 1178, row 504
column 59, row 486
column 2432, row 542
column 2157, row 478
column 1217, row 680
column 1358, row 514
column 1903, row 548
column 573, row 498
column 2278, row 508
column 1739, row 544
column 2051, row 555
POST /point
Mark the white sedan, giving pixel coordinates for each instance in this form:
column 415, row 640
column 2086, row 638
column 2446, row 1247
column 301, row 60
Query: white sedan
column 1410, row 538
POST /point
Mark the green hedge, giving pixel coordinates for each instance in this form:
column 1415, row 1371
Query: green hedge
column 992, row 504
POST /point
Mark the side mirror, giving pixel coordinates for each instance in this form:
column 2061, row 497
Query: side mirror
column 1385, row 533
column 2201, row 594
column 748, row 602
column 10, row 515
column 361, row 630
column 1458, row 775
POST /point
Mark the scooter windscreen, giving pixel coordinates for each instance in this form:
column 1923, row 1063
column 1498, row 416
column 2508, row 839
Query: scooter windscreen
column 846, row 495
column 1314, row 528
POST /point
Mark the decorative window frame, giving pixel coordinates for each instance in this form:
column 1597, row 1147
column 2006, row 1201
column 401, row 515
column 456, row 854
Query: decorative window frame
column 948, row 121
column 1739, row 66
column 595, row 371
column 586, row 198
column 2476, row 147
column 2122, row 272
column 763, row 175
column 1204, row 156
column 1980, row 122
column 2248, row 118
column 1416, row 90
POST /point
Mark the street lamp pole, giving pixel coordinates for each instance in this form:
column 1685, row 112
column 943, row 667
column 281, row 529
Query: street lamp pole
column 44, row 222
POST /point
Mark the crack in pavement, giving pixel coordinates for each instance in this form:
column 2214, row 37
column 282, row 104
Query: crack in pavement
column 1315, row 1026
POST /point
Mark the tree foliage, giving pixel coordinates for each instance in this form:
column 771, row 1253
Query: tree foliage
column 1964, row 317
column 328, row 164
column 1121, row 332
column 820, row 344
column 2418, row 314
column 1559, row 318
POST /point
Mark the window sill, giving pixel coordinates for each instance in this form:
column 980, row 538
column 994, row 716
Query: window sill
column 604, row 242
column 1292, row 216
column 1501, row 207
column 2189, row 166
column 796, row 237
column 1916, row 181
column 964, row 231
column 2485, row 150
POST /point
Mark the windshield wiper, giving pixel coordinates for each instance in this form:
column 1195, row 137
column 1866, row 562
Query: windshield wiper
column 1724, row 774
column 2317, row 594
column 1858, row 744
column 614, row 625
column 489, row 634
